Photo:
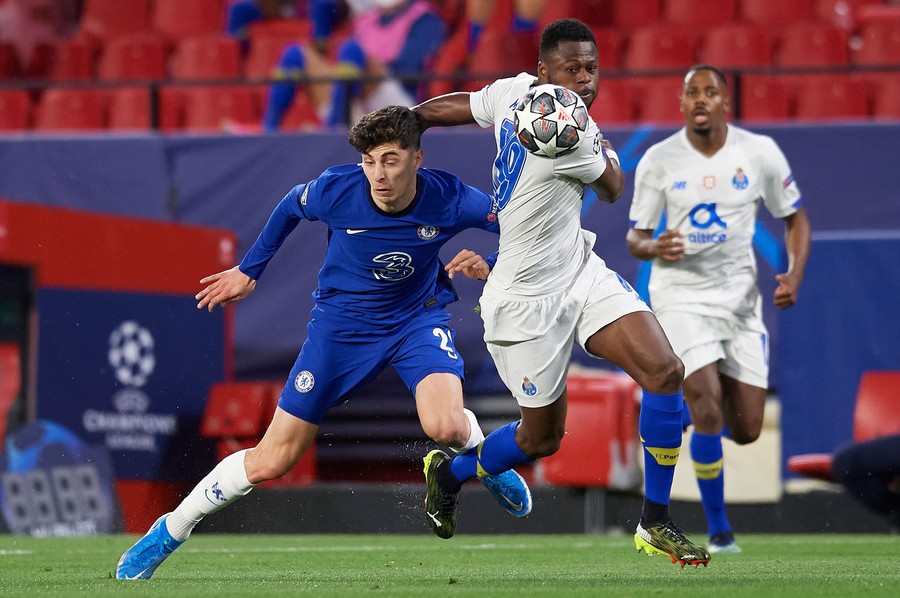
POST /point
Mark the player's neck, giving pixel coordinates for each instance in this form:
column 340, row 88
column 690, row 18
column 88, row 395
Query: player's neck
column 708, row 142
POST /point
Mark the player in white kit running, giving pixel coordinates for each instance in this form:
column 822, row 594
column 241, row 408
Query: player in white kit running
column 709, row 179
column 549, row 290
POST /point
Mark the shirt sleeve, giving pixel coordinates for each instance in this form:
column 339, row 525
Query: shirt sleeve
column 588, row 162
column 490, row 102
column 284, row 219
column 782, row 196
column 478, row 209
column 649, row 200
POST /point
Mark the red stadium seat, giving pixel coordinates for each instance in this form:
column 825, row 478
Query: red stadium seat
column 451, row 60
column 600, row 447
column 15, row 110
column 185, row 18
column 634, row 14
column 129, row 108
column 71, row 110
column 302, row 114
column 207, row 57
column 736, row 45
column 838, row 12
column 102, row 19
column 877, row 414
column 614, row 104
column 764, row 98
column 267, row 41
column 171, row 109
column 73, row 60
column 502, row 52
column 210, row 109
column 658, row 100
column 775, row 13
column 884, row 95
column 876, row 12
column 879, row 43
column 10, row 65
column 830, row 97
column 699, row 13
column 609, row 47
column 660, row 48
column 133, row 56
column 812, row 44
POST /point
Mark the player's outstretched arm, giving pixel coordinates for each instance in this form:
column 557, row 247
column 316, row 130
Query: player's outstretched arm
column 445, row 111
column 470, row 264
column 224, row 287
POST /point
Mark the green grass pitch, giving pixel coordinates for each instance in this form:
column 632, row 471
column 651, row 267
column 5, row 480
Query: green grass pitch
column 424, row 566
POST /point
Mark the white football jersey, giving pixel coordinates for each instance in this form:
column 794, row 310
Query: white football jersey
column 542, row 245
column 713, row 202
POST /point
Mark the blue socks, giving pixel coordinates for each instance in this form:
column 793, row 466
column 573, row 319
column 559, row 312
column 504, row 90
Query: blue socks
column 660, row 426
column 706, row 452
column 497, row 453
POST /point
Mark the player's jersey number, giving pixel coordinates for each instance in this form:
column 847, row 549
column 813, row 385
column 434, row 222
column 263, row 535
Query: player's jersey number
column 509, row 162
column 446, row 342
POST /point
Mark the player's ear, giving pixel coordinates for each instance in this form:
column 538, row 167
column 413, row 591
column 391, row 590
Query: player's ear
column 726, row 104
column 420, row 157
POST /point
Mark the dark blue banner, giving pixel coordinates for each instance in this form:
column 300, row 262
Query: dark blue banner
column 130, row 372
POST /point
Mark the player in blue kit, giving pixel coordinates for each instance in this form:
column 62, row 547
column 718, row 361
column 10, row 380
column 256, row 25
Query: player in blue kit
column 380, row 302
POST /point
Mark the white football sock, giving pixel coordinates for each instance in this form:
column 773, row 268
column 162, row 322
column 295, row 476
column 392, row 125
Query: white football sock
column 226, row 483
column 476, row 435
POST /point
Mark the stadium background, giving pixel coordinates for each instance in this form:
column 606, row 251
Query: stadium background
column 155, row 183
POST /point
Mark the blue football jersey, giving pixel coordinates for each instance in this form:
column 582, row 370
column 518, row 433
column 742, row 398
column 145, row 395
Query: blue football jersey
column 380, row 268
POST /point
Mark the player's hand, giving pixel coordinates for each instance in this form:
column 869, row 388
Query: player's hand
column 223, row 288
column 470, row 264
column 786, row 292
column 670, row 246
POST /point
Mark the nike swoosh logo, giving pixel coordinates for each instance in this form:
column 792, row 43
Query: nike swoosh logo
column 515, row 505
column 435, row 519
column 356, row 231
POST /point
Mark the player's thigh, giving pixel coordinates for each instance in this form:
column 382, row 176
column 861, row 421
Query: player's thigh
column 745, row 374
column 424, row 346
column 531, row 344
column 697, row 340
column 330, row 367
column 703, row 396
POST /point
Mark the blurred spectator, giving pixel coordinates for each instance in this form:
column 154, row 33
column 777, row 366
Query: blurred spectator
column 393, row 39
column 870, row 472
column 242, row 13
column 29, row 23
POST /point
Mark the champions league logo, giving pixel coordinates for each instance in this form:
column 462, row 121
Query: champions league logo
column 131, row 353
column 131, row 426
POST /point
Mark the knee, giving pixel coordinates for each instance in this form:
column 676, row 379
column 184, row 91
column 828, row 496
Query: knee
column 448, row 430
column 666, row 376
column 746, row 432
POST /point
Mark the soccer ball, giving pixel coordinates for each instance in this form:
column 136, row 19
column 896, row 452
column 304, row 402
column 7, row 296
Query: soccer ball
column 551, row 121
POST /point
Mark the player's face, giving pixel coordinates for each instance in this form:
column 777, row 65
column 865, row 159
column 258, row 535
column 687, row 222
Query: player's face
column 572, row 65
column 391, row 172
column 704, row 102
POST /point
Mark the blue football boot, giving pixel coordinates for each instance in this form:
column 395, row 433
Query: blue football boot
column 142, row 559
column 510, row 491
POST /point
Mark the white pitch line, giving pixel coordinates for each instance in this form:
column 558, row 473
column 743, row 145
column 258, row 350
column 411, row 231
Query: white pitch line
column 368, row 548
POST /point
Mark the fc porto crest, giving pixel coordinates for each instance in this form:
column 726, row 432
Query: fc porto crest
column 528, row 387
column 740, row 180
column 427, row 233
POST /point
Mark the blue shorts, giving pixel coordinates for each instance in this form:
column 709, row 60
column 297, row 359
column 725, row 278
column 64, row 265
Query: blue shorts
column 333, row 365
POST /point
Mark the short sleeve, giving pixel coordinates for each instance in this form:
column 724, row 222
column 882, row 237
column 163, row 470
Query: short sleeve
column 649, row 200
column 781, row 196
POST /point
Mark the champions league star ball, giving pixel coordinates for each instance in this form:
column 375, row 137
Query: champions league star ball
column 551, row 121
column 131, row 353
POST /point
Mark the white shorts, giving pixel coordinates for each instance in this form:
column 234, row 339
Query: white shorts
column 739, row 346
column 531, row 339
